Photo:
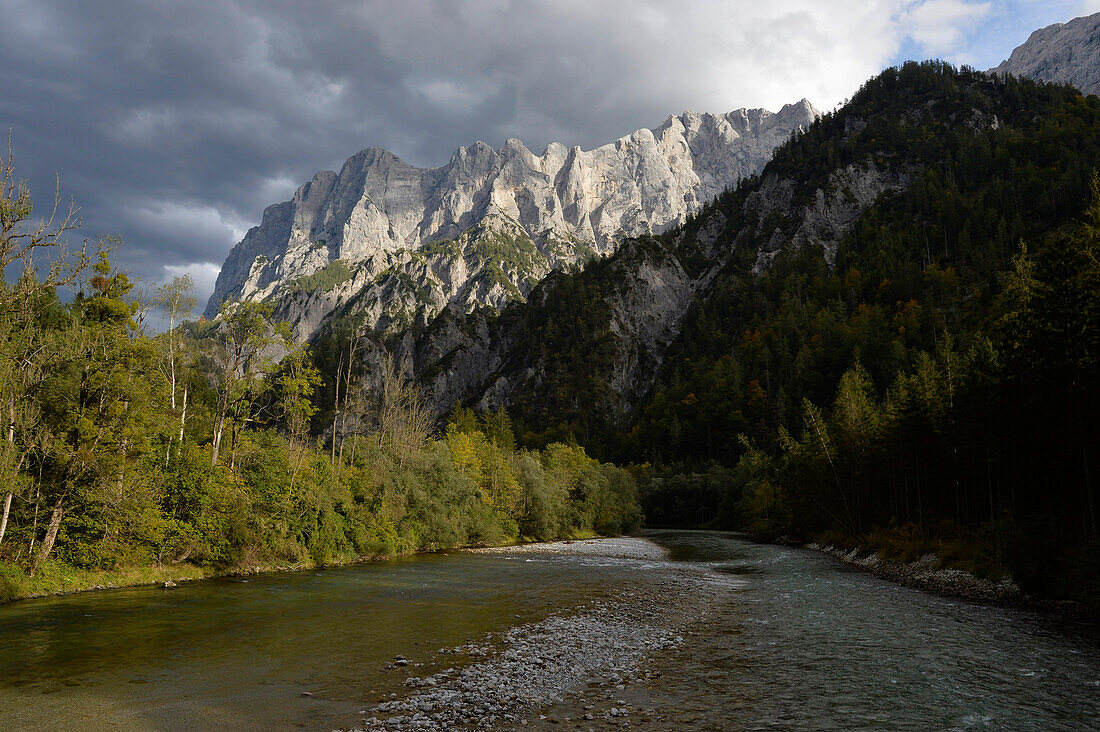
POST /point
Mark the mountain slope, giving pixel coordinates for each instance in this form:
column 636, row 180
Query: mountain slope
column 395, row 243
column 1066, row 53
column 587, row 353
column 899, row 317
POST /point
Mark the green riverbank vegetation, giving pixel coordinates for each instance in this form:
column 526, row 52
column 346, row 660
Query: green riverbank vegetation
column 935, row 389
column 127, row 458
column 927, row 381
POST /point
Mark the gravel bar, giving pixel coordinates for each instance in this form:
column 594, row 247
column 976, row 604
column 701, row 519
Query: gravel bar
column 622, row 547
column 513, row 675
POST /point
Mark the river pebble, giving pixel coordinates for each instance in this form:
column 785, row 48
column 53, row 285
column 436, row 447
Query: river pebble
column 621, row 547
column 925, row 574
column 527, row 668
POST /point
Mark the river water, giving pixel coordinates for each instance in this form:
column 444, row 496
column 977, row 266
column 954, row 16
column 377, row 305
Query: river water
column 797, row 641
column 806, row 643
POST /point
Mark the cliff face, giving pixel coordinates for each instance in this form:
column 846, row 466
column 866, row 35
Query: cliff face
column 632, row 307
column 587, row 349
column 394, row 244
column 1067, row 53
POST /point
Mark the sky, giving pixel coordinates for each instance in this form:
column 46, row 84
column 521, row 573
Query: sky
column 172, row 125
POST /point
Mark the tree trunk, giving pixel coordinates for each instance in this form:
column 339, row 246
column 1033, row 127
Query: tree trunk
column 172, row 353
column 185, row 555
column 336, row 407
column 37, row 503
column 11, row 440
column 234, row 434
column 4, row 521
column 51, row 535
column 183, row 414
column 218, row 438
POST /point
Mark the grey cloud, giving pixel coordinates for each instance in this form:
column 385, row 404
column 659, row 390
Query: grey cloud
column 174, row 123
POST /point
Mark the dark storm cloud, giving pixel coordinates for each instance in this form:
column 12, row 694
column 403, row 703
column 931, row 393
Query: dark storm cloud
column 174, row 123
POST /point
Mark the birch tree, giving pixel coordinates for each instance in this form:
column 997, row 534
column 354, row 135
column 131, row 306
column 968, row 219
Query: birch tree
column 246, row 344
column 177, row 300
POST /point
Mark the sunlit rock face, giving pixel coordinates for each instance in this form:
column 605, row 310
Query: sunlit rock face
column 393, row 244
column 1067, row 53
column 645, row 293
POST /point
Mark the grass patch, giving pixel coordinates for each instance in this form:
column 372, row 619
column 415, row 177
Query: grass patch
column 334, row 274
column 55, row 578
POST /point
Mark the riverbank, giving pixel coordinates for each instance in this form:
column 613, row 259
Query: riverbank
column 927, row 574
column 597, row 650
column 623, row 547
column 55, row 578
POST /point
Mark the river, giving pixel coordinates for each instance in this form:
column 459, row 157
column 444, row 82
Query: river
column 793, row 640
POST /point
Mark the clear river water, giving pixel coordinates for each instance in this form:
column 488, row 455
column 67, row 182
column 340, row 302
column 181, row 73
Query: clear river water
column 798, row 641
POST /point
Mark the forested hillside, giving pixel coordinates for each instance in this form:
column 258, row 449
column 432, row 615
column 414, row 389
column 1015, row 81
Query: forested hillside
column 899, row 333
column 938, row 375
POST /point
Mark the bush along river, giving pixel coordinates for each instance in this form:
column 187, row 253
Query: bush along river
column 680, row 630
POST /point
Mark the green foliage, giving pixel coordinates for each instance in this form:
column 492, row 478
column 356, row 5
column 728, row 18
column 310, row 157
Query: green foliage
column 444, row 247
column 296, row 382
column 285, row 503
column 462, row 419
column 678, row 496
column 498, row 428
column 924, row 371
column 984, row 451
column 326, row 279
column 111, row 451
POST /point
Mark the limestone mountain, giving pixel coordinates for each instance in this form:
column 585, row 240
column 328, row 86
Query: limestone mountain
column 393, row 244
column 1067, row 53
column 909, row 192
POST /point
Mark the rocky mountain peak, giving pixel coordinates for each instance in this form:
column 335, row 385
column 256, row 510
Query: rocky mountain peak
column 392, row 244
column 1067, row 53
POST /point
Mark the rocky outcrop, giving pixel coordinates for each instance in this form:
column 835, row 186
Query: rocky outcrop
column 491, row 361
column 832, row 210
column 646, row 290
column 395, row 244
column 1067, row 53
column 487, row 361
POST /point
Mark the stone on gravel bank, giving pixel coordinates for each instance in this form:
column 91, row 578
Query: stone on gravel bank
column 622, row 547
column 515, row 674
column 924, row 574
